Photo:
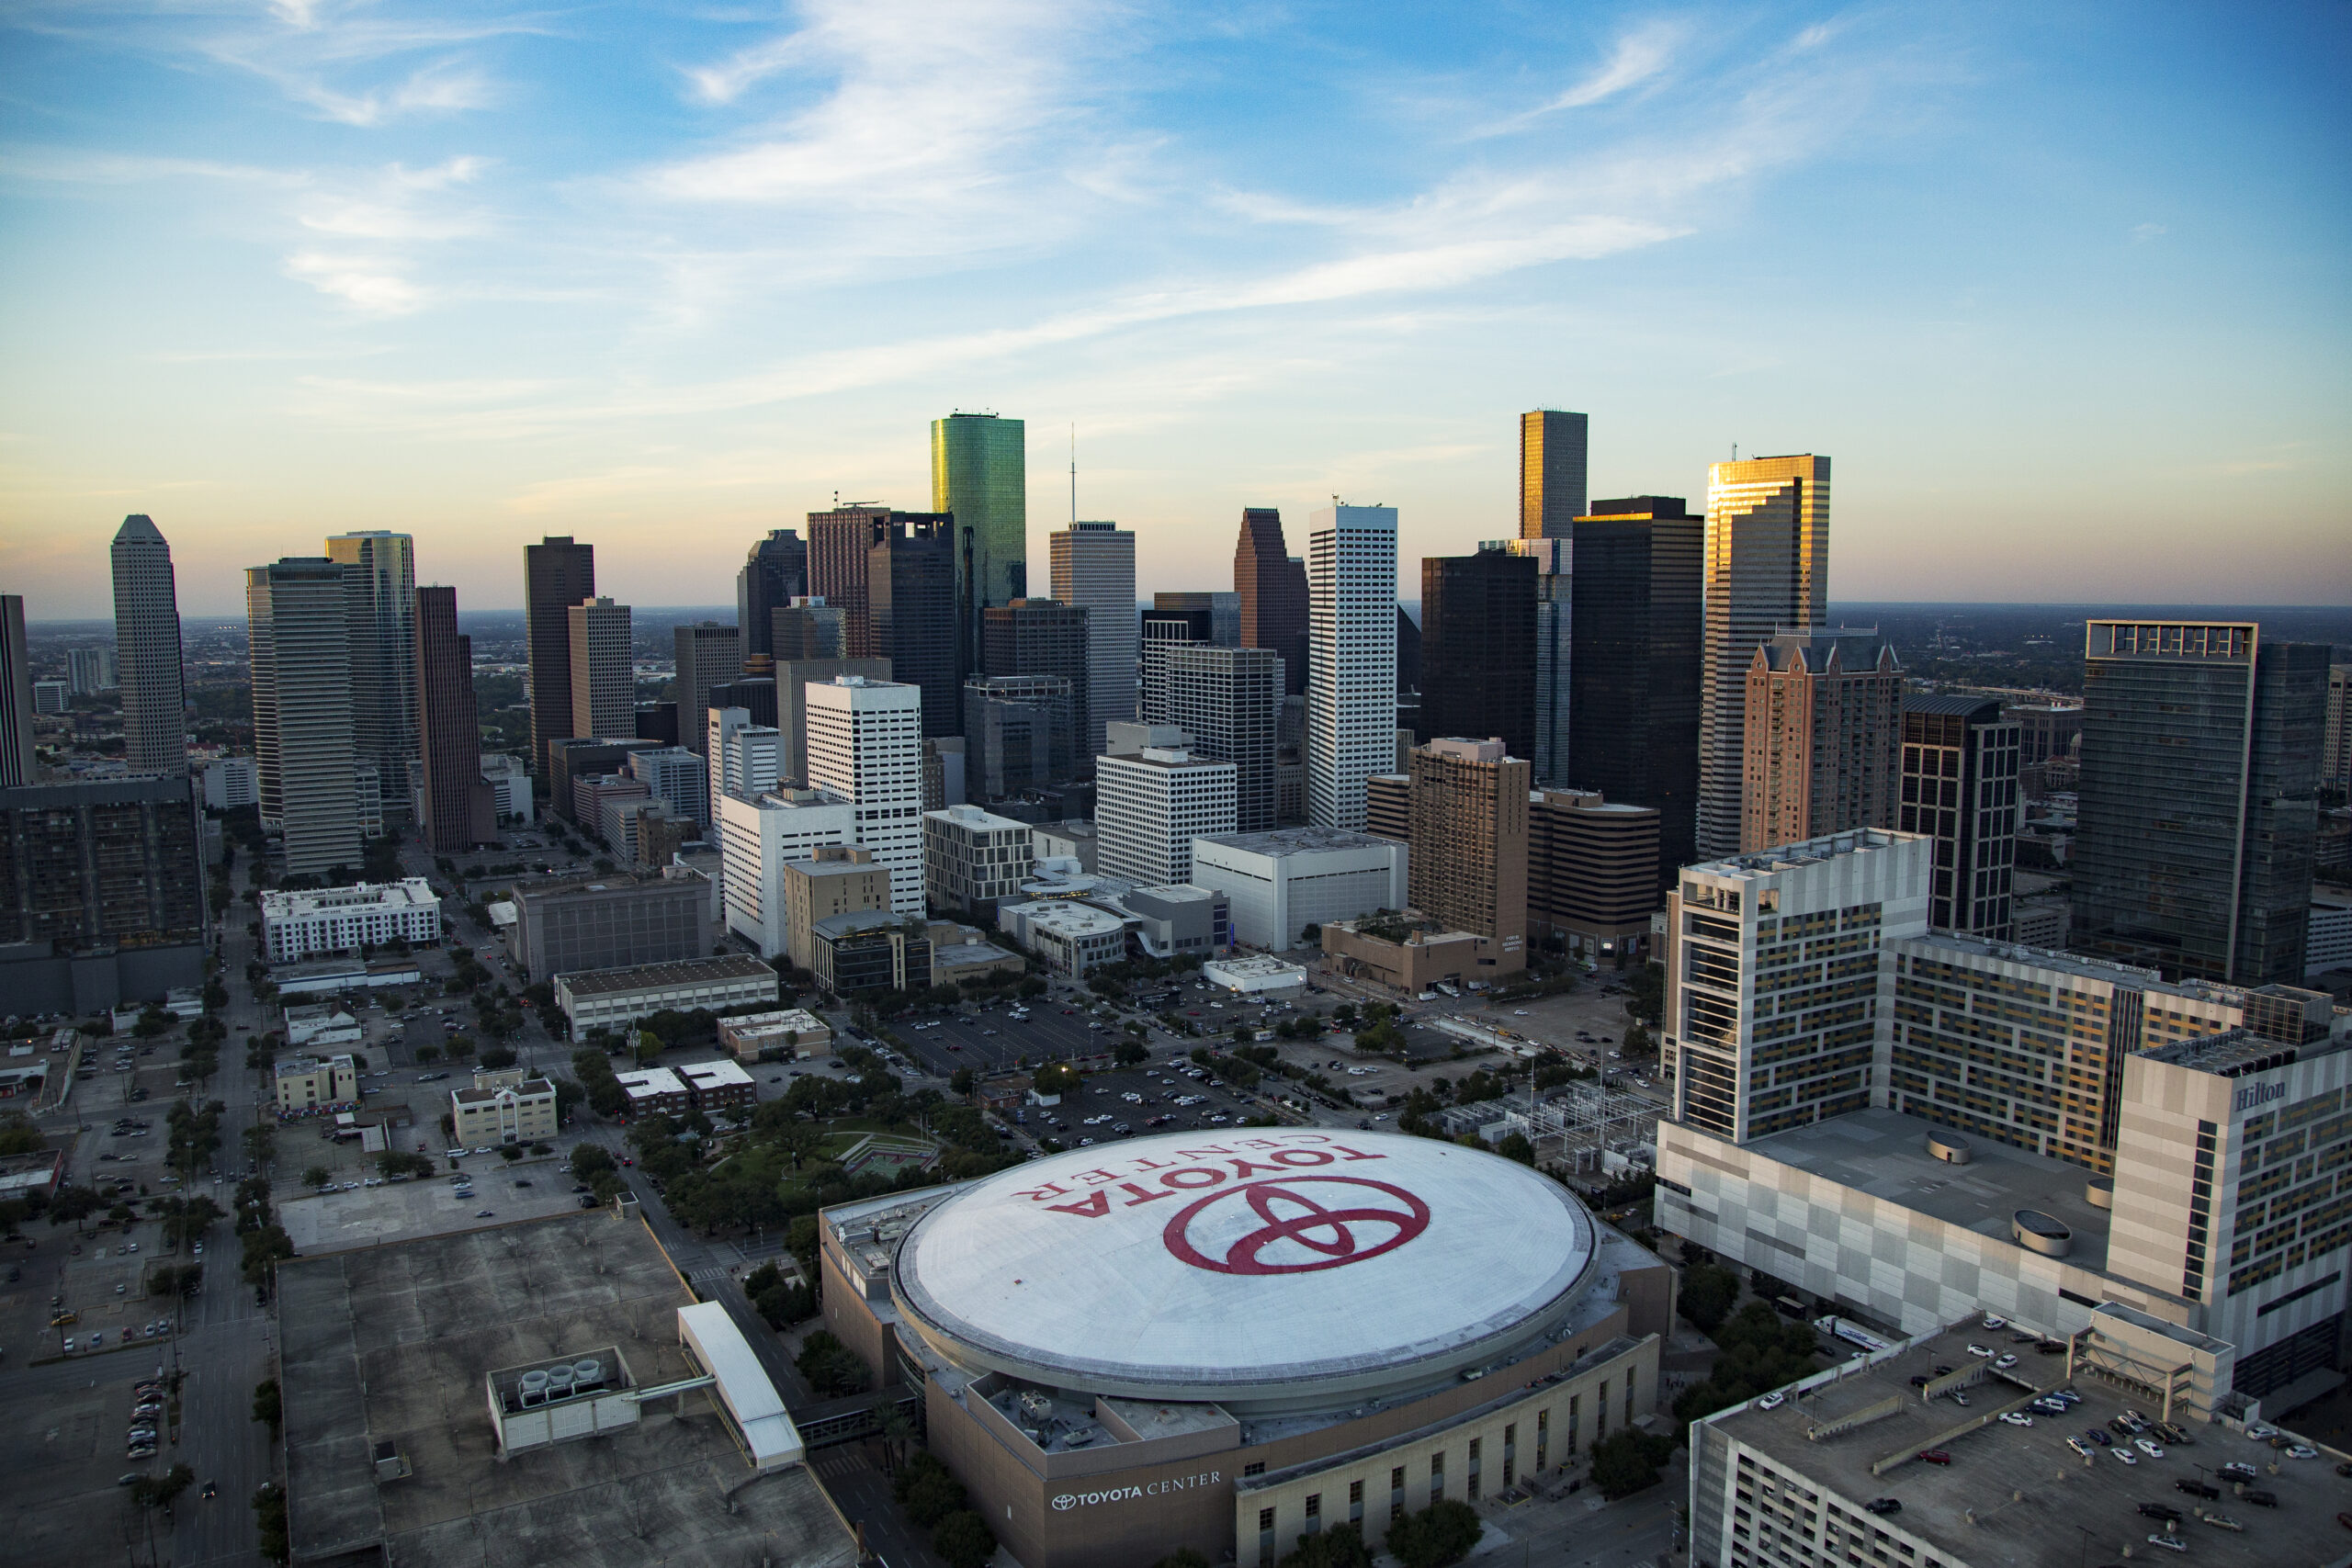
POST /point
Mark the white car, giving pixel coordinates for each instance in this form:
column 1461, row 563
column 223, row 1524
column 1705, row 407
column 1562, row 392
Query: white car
column 2302, row 1451
column 2017, row 1418
column 2149, row 1447
column 2261, row 1431
column 1981, row 1350
column 1770, row 1400
column 1993, row 1322
column 2079, row 1445
column 2126, row 1455
column 2005, row 1362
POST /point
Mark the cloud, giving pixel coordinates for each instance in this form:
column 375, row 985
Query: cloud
column 2144, row 232
column 1639, row 55
column 367, row 283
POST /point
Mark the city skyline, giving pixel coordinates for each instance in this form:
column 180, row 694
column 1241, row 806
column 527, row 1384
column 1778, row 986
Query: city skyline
column 402, row 298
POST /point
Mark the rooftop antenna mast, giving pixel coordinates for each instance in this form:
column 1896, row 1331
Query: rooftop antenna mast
column 1073, row 473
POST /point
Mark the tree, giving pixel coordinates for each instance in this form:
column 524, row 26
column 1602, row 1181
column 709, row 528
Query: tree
column 925, row 1489
column 159, row 1491
column 1055, row 1078
column 266, row 1406
column 965, row 1540
column 830, row 1366
column 1626, row 1461
column 269, row 1519
column 70, row 1205
column 315, row 1177
column 261, row 1142
column 1127, row 1054
column 1182, row 1557
column 961, row 1080
column 1515, row 1146
column 589, row 1161
column 186, row 1219
column 1708, row 1293
column 1441, row 1533
column 496, row 1056
column 1341, row 1546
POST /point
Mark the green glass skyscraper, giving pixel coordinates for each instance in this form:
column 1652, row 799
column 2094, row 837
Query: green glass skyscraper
column 979, row 472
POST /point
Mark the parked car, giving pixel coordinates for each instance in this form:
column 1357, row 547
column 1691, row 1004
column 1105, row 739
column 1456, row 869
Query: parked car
column 1885, row 1506
column 1934, row 1456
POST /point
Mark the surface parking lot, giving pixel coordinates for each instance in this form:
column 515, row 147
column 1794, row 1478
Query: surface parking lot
column 1157, row 1085
column 330, row 1221
column 945, row 1042
column 68, row 1455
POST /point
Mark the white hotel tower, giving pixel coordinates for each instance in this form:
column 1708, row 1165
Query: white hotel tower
column 1350, row 659
column 866, row 745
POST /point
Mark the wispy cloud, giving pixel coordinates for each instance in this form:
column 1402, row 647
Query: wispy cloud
column 1639, row 55
column 369, row 284
column 2144, row 232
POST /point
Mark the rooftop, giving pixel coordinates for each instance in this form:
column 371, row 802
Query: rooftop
column 1276, row 842
column 646, row 1081
column 973, row 816
column 855, row 922
column 651, row 977
column 410, row 893
column 2019, row 1497
column 1072, row 920
column 1812, row 852
column 390, row 1344
column 2237, row 1052
column 713, row 1075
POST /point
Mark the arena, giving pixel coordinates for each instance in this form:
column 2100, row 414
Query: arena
column 1227, row 1343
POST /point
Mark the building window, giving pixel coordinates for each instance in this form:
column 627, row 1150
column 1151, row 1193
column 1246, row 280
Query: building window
column 1314, row 1512
column 1542, row 1437
column 1258, row 1468
column 1355, row 1502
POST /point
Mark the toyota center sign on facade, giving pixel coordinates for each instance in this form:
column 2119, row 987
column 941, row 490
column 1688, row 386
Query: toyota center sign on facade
column 1228, row 1342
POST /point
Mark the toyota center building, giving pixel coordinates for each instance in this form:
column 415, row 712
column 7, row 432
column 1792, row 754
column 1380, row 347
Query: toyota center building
column 1229, row 1342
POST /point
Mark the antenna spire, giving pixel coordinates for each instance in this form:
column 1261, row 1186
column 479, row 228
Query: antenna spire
column 1073, row 473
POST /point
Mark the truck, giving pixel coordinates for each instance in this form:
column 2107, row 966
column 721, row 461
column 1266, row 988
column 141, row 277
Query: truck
column 1852, row 1333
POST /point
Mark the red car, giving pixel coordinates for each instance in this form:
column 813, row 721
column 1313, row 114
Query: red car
column 625, row 1161
column 1935, row 1456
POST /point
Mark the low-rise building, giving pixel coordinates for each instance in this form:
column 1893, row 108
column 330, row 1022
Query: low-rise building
column 510, row 785
column 488, row 1114
column 318, row 1025
column 870, row 950
column 1179, row 921
column 1257, row 975
column 307, row 1083
column 973, row 859
column 654, row 1091
column 1063, row 841
column 323, row 977
column 1281, row 883
column 960, row 954
column 786, row 1034
column 1073, row 939
column 714, row 1086
column 615, row 998
column 1406, row 953
column 300, row 924
column 835, row 880
column 609, row 922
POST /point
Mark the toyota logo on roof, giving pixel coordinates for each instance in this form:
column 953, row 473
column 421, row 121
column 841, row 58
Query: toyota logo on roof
column 1295, row 1225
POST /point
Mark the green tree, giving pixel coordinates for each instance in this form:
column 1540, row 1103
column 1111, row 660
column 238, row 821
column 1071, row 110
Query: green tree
column 1515, row 1146
column 1055, row 1078
column 1341, row 1546
column 261, row 1142
column 925, row 1489
column 1127, row 1054
column 70, row 1205
column 961, row 1080
column 315, row 1177
column 269, row 1519
column 830, row 1366
column 1626, row 1461
column 1708, row 1293
column 266, row 1406
column 589, row 1161
column 1441, row 1533
column 964, row 1540
column 1182, row 1557
column 160, row 1491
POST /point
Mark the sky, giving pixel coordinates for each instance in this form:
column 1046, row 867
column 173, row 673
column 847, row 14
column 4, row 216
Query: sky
column 2061, row 289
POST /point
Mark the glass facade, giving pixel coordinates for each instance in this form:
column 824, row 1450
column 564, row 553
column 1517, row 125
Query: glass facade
column 1478, row 648
column 1960, row 784
column 979, row 472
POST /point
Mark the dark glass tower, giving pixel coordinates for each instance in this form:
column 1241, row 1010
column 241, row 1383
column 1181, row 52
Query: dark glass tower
column 557, row 574
column 2200, row 805
column 1960, row 783
column 1272, row 586
column 459, row 808
column 1633, row 668
column 773, row 574
column 1037, row 636
column 1478, row 648
column 910, row 599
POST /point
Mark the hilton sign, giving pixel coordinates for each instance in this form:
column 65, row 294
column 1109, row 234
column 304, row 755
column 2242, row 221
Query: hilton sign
column 2255, row 1094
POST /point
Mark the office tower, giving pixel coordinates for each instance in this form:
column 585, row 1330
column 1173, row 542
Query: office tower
column 89, row 670
column 1271, row 584
column 584, row 756
column 756, row 694
column 979, row 473
column 1592, row 873
column 1960, row 785
column 382, row 582
column 1824, row 737
column 782, row 701
column 2199, row 811
column 557, row 575
column 1478, row 646
column 1093, row 567
column 52, row 697
column 809, row 628
column 866, row 745
column 604, row 678
column 710, row 653
column 1551, row 473
column 1172, row 622
column 591, row 792
column 1040, row 637
column 1228, row 699
column 910, row 602
column 1350, row 659
column 2335, row 753
column 299, row 628
column 1151, row 800
column 101, row 894
column 746, row 758
column 1408, row 656
column 147, row 650
column 609, row 922
column 1634, row 623
column 838, row 543
column 1768, row 572
column 677, row 777
column 1388, row 804
column 656, row 722
column 775, row 573
column 1752, row 930
column 459, row 805
column 15, row 696
column 1020, row 733
column 973, row 861
column 1553, row 653
column 1467, row 862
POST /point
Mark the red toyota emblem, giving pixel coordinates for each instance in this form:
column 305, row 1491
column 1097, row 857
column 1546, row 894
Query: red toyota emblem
column 1295, row 1225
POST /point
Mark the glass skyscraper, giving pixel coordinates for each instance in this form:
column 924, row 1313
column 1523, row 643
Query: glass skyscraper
column 979, row 471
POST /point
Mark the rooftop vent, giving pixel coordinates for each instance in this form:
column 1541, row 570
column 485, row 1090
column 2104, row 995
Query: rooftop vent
column 2038, row 1231
column 1948, row 1147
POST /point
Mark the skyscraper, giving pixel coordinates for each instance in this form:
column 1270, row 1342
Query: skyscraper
column 1228, row 700
column 298, row 621
column 775, row 573
column 1153, row 797
column 15, row 696
column 1554, row 654
column 1633, row 700
column 979, row 472
column 866, row 745
column 1823, row 742
column 102, row 881
column 1768, row 572
column 2335, row 754
column 1960, row 784
column 1093, row 567
column 147, row 650
column 382, row 583
column 557, row 574
column 1478, row 646
column 1467, row 868
column 1351, row 660
column 910, row 604
column 1551, row 473
column 1040, row 637
column 2200, row 812
column 1174, row 621
column 1272, row 586
column 709, row 653
column 461, row 806
column 604, row 682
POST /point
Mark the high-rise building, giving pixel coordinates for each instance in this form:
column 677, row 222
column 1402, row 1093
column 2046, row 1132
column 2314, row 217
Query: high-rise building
column 1351, row 660
column 299, row 628
column 460, row 806
column 1592, row 873
column 15, row 695
column 910, row 601
column 746, row 759
column 382, row 583
column 1768, row 572
column 1634, row 670
column 90, row 671
column 147, row 650
column 1552, row 660
column 838, row 543
column 101, row 893
column 979, row 473
column 1172, row 622
column 1228, row 700
column 557, row 575
column 1093, row 567
column 2199, row 812
column 775, row 573
column 710, row 653
column 1552, row 445
column 1960, row 784
column 675, row 776
column 603, row 677
column 973, row 861
column 2335, row 753
column 782, row 700
column 1479, row 658
column 809, row 628
column 1467, row 864
column 1152, row 800
column 1824, row 737
column 1272, row 583
column 1040, row 637
column 1020, row 733
column 866, row 745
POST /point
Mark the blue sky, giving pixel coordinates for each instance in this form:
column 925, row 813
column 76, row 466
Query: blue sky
column 2061, row 289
